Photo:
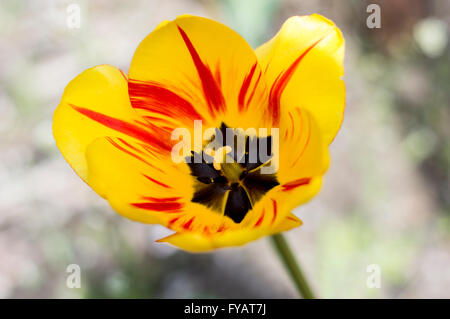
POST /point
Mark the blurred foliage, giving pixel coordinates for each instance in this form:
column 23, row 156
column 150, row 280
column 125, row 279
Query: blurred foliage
column 407, row 62
column 344, row 247
column 251, row 18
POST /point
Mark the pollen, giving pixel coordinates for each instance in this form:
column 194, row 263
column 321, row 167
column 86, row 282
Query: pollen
column 219, row 156
column 228, row 182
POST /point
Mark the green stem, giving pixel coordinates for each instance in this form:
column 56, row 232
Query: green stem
column 292, row 266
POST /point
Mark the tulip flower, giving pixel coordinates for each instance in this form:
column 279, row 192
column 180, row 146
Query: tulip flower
column 117, row 130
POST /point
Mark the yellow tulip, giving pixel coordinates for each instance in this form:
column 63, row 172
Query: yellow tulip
column 115, row 130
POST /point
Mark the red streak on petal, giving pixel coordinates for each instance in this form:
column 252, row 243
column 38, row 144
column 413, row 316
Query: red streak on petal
column 260, row 219
column 292, row 126
column 134, row 148
column 296, row 183
column 306, row 144
column 206, row 231
column 274, row 203
column 172, row 221
column 254, row 89
column 161, row 199
column 124, row 75
column 154, row 97
column 125, row 128
column 127, row 151
column 211, row 90
column 155, row 181
column 189, row 223
column 155, row 119
column 218, row 75
column 163, row 206
column 163, row 132
column 280, row 83
column 221, row 228
column 245, row 86
column 291, row 218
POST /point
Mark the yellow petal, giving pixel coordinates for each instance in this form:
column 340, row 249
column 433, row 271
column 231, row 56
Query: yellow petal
column 198, row 242
column 96, row 104
column 289, row 222
column 144, row 188
column 304, row 66
column 136, row 182
column 303, row 152
column 200, row 70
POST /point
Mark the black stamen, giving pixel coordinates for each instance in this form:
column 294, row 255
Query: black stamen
column 238, row 204
column 213, row 185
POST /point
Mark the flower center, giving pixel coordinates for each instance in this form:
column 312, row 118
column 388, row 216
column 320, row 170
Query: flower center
column 228, row 173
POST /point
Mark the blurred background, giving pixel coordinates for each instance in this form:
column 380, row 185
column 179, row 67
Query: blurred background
column 385, row 200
